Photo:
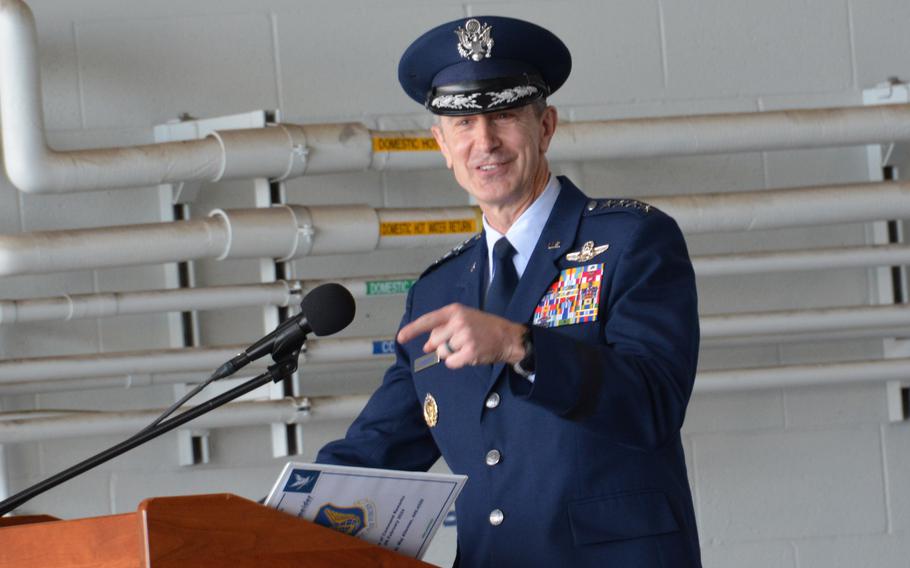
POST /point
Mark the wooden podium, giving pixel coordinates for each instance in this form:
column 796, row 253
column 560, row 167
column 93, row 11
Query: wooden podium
column 201, row 531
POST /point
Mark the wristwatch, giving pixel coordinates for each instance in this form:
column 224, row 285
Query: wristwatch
column 525, row 367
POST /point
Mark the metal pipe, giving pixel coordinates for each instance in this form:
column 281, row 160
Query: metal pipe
column 288, row 232
column 281, row 293
column 144, row 367
column 801, row 260
column 284, row 232
column 283, row 151
column 142, row 364
column 796, row 207
column 802, row 375
column 346, row 407
column 805, row 321
column 686, row 135
column 80, row 306
column 285, row 293
column 375, row 365
column 248, row 413
column 276, row 152
column 90, row 383
column 733, row 132
column 901, row 332
column 48, row 251
column 135, row 363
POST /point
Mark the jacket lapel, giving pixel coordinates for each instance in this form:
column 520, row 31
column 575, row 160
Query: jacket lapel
column 470, row 287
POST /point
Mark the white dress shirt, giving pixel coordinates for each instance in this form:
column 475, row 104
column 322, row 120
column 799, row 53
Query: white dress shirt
column 525, row 231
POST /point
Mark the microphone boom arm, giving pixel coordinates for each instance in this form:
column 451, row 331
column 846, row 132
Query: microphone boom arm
column 285, row 367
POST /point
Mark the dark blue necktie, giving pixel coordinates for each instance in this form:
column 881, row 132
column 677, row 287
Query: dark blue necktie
column 505, row 278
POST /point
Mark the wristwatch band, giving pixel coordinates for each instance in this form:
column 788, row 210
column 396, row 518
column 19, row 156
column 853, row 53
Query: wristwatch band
column 525, row 367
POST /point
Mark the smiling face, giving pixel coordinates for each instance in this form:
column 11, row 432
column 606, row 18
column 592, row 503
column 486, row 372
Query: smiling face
column 499, row 158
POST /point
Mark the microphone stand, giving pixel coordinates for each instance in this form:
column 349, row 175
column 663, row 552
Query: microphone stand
column 285, row 356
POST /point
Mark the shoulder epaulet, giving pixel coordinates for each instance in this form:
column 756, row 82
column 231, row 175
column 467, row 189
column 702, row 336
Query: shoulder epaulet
column 456, row 250
column 597, row 206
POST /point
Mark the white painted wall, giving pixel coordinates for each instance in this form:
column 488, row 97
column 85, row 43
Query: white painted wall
column 793, row 478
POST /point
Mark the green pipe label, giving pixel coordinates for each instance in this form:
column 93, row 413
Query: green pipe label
column 389, row 287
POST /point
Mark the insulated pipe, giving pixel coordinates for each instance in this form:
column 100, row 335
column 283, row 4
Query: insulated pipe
column 49, row 251
column 805, row 321
column 90, row 383
column 801, row 260
column 137, row 363
column 80, row 306
column 284, row 232
column 803, row 375
column 331, row 408
column 141, row 366
column 276, row 152
column 797, row 207
column 734, row 132
column 288, row 232
column 281, row 293
column 652, row 137
column 376, row 365
column 785, row 338
column 283, row 151
column 248, row 413
column 141, row 363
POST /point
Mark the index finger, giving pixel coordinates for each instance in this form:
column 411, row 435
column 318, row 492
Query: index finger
column 426, row 322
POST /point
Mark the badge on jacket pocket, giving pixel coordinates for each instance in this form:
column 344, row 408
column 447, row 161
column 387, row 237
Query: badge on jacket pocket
column 573, row 298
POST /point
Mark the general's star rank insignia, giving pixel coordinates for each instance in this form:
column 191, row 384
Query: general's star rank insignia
column 573, row 298
column 587, row 252
column 430, row 411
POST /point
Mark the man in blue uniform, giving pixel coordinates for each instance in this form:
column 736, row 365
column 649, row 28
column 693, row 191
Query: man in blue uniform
column 550, row 358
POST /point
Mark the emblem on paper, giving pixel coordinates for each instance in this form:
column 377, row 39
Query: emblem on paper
column 350, row 520
column 573, row 298
column 475, row 41
column 587, row 252
column 430, row 411
column 301, row 481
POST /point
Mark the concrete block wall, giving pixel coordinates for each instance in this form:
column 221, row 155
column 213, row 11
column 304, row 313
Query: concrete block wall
column 788, row 477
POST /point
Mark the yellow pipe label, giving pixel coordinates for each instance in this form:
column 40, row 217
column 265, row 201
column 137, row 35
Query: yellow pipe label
column 405, row 145
column 414, row 228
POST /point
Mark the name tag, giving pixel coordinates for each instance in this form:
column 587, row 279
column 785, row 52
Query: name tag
column 573, row 298
column 425, row 361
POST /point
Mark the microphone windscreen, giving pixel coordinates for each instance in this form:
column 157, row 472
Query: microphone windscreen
column 328, row 308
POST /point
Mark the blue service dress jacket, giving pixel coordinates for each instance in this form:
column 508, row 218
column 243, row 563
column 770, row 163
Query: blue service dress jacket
column 584, row 466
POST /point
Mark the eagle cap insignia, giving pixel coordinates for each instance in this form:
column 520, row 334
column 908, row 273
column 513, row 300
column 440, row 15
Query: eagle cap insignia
column 475, row 40
column 587, row 252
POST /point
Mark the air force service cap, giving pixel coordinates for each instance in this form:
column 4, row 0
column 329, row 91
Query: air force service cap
column 483, row 64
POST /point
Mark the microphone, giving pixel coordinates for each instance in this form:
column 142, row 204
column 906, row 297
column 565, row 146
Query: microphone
column 327, row 309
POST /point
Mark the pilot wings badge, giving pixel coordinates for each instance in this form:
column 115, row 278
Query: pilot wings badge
column 475, row 41
column 587, row 252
